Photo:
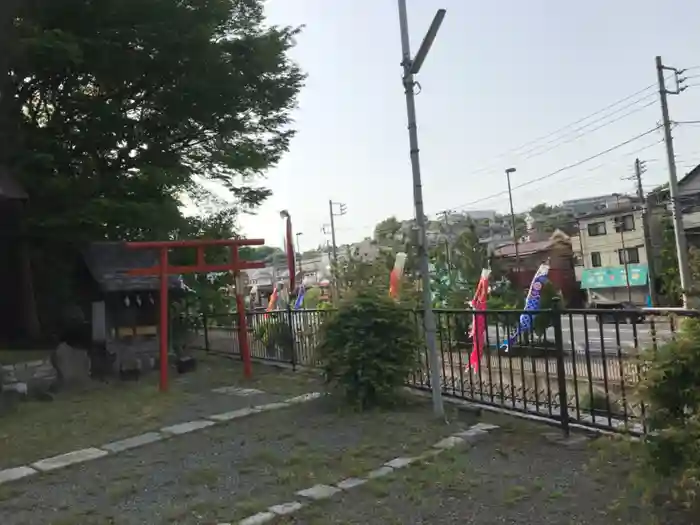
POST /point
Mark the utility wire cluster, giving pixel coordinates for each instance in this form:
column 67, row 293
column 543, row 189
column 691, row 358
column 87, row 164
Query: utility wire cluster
column 619, row 110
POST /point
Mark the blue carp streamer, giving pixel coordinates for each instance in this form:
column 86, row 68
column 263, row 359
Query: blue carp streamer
column 300, row 297
column 532, row 303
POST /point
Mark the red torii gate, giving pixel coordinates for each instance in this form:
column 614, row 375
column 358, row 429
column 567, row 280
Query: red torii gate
column 163, row 270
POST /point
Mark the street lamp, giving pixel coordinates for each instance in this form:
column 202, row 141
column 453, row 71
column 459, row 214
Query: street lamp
column 512, row 222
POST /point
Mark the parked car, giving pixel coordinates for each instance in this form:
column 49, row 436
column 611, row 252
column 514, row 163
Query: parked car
column 619, row 311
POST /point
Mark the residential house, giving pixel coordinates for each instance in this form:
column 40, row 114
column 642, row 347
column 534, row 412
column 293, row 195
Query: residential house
column 556, row 251
column 689, row 201
column 587, row 205
column 495, row 241
column 613, row 261
column 367, row 250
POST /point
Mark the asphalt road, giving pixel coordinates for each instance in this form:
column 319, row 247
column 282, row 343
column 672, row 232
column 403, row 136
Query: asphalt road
column 582, row 335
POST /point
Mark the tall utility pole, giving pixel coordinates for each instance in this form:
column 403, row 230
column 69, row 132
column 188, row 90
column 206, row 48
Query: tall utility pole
column 620, row 225
column 676, row 213
column 342, row 210
column 448, row 254
column 512, row 221
column 646, row 214
column 411, row 66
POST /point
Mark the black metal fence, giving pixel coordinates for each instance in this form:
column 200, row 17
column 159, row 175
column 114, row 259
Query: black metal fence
column 576, row 367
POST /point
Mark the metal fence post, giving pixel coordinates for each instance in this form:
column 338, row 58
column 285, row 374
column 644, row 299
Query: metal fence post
column 292, row 339
column 561, row 369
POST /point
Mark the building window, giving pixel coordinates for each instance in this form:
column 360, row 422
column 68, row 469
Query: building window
column 624, row 223
column 628, row 256
column 596, row 228
column 596, row 262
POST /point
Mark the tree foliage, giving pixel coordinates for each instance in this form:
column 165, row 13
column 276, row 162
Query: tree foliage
column 387, row 230
column 113, row 113
column 549, row 218
column 467, row 257
column 668, row 267
column 353, row 273
column 122, row 105
column 670, row 390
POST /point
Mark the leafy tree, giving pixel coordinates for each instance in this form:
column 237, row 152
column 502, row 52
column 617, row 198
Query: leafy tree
column 116, row 115
column 468, row 257
column 353, row 273
column 387, row 229
column 261, row 253
column 520, row 224
column 669, row 457
column 543, row 321
column 548, row 218
column 668, row 269
column 389, row 235
column 312, row 298
column 208, row 288
column 118, row 112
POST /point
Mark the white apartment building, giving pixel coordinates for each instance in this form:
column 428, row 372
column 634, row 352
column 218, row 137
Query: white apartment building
column 612, row 259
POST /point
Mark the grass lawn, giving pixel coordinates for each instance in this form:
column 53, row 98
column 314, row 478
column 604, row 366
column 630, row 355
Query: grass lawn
column 11, row 356
column 106, row 411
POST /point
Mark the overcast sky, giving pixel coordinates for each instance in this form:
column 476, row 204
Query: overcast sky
column 500, row 75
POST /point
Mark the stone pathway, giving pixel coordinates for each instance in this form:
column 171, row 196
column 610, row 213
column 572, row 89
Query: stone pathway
column 517, row 475
column 224, row 467
column 320, row 492
column 88, row 454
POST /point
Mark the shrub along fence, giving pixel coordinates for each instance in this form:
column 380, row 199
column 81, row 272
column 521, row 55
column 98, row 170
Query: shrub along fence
column 577, row 367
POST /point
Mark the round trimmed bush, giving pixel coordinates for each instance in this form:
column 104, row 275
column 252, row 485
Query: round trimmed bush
column 368, row 348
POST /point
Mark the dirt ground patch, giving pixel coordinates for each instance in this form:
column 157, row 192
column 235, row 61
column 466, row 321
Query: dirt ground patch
column 107, row 411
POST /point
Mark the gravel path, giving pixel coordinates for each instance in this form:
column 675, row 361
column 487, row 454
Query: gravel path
column 226, row 472
column 515, row 476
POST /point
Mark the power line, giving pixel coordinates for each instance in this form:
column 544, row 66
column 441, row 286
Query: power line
column 560, row 170
column 607, row 164
column 435, row 215
column 517, row 150
column 605, row 124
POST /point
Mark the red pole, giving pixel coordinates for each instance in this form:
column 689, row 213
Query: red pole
column 290, row 257
column 164, row 314
column 243, row 336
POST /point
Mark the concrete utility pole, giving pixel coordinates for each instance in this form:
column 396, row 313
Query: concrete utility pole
column 646, row 214
column 341, row 211
column 512, row 221
column 676, row 213
column 411, row 66
column 620, row 225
